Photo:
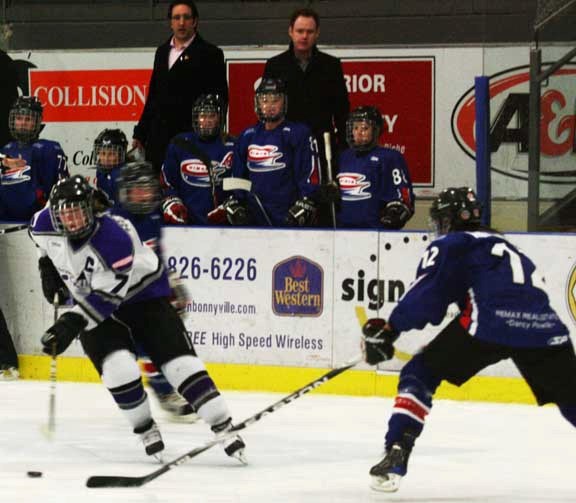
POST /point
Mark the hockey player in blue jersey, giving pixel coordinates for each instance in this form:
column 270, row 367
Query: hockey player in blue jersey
column 196, row 162
column 504, row 312
column 121, row 291
column 138, row 197
column 110, row 153
column 375, row 186
column 280, row 158
column 29, row 166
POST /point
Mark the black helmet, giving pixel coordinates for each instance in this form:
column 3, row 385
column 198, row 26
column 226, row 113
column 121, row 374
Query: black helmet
column 25, row 119
column 138, row 188
column 71, row 207
column 207, row 104
column 270, row 88
column 455, row 209
column 110, row 148
column 371, row 116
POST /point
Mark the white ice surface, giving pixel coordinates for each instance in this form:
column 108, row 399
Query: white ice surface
column 317, row 449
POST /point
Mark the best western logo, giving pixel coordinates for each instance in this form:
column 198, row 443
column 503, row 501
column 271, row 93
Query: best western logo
column 90, row 95
column 297, row 287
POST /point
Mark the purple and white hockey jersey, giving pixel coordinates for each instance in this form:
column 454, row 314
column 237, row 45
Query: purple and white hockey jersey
column 23, row 191
column 497, row 288
column 368, row 181
column 282, row 165
column 109, row 268
column 185, row 176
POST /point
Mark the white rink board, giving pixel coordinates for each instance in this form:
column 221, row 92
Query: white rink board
column 323, row 339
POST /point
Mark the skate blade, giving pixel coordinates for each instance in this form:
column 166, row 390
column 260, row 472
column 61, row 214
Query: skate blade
column 388, row 484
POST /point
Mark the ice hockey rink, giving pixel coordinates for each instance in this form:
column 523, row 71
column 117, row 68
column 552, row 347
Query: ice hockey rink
column 316, row 449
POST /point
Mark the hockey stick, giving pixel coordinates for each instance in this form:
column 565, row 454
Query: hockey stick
column 121, row 481
column 243, row 184
column 14, row 228
column 50, row 427
column 328, row 153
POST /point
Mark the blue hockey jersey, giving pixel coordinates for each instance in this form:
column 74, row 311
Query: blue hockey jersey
column 185, row 176
column 282, row 165
column 499, row 292
column 23, row 191
column 368, row 181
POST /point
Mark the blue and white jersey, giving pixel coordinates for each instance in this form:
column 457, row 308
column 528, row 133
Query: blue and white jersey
column 282, row 165
column 368, row 181
column 185, row 176
column 109, row 268
column 106, row 181
column 23, row 191
column 497, row 288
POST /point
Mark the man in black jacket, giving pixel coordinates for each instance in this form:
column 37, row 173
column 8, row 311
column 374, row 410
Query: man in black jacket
column 317, row 93
column 185, row 67
column 8, row 94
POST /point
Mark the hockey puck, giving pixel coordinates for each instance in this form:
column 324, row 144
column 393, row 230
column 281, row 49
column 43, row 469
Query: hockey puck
column 34, row 475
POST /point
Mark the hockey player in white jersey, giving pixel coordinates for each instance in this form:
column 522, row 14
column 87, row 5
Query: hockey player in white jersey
column 121, row 292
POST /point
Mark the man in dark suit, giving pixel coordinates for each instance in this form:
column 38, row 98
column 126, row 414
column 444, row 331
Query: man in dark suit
column 8, row 94
column 317, row 93
column 185, row 67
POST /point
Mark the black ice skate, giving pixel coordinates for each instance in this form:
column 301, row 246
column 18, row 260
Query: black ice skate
column 387, row 474
column 151, row 438
column 233, row 446
column 178, row 408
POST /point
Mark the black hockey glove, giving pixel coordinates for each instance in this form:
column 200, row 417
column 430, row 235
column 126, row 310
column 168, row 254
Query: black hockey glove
column 329, row 193
column 302, row 213
column 378, row 341
column 395, row 215
column 62, row 333
column 52, row 283
column 236, row 212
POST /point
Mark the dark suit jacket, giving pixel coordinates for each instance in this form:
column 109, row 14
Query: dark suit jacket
column 317, row 96
column 8, row 94
column 168, row 109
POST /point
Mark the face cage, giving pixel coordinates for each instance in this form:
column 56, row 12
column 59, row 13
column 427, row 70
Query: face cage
column 85, row 225
column 260, row 113
column 139, row 207
column 119, row 150
column 204, row 132
column 350, row 135
column 24, row 135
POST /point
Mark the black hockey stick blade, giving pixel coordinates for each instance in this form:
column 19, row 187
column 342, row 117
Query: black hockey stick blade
column 121, row 481
column 15, row 228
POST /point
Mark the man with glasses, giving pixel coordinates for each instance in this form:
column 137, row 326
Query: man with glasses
column 185, row 67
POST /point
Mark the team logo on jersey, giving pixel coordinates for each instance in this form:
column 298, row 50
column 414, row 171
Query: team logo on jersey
column 353, row 186
column 571, row 293
column 297, row 287
column 82, row 282
column 264, row 158
column 194, row 172
column 16, row 175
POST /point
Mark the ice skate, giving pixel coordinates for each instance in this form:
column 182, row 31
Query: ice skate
column 387, row 475
column 178, row 408
column 8, row 372
column 151, row 439
column 234, row 446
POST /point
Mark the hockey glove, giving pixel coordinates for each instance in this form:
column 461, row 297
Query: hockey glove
column 52, row 283
column 302, row 213
column 60, row 335
column 395, row 215
column 377, row 341
column 218, row 215
column 178, row 293
column 236, row 212
column 329, row 193
column 174, row 211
